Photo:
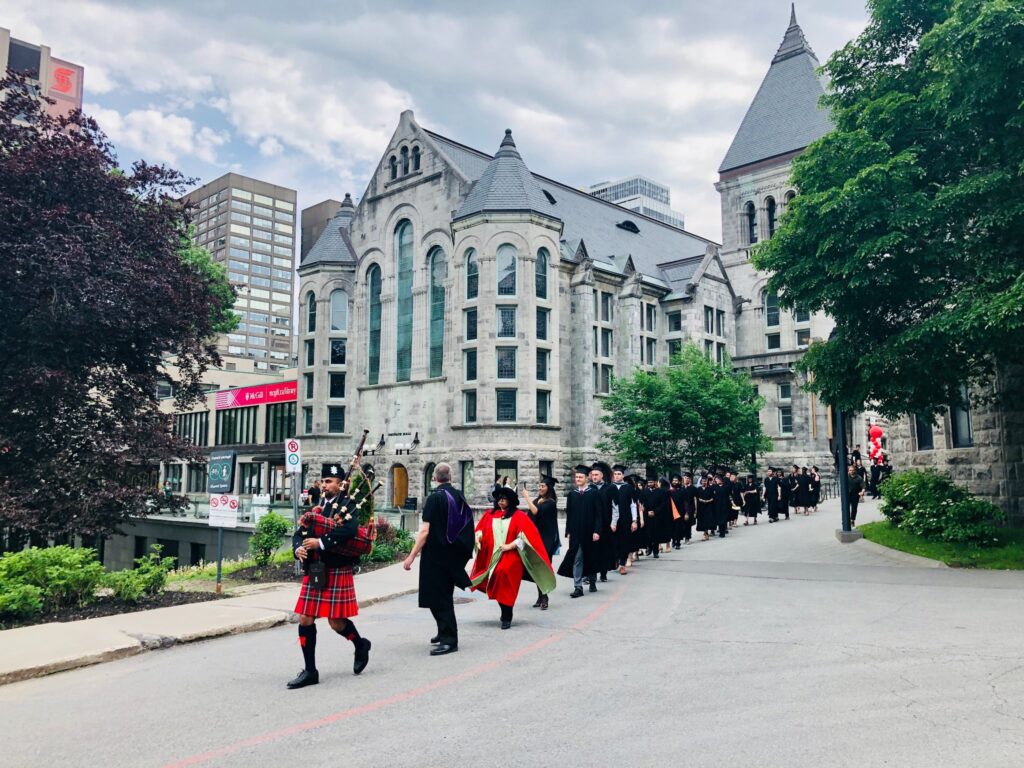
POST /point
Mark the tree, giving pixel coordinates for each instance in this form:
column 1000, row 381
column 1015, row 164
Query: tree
column 98, row 282
column 692, row 414
column 906, row 230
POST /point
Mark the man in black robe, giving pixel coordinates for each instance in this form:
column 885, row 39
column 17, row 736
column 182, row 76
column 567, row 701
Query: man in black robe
column 583, row 532
column 600, row 478
column 446, row 541
column 655, row 501
column 624, row 516
column 771, row 495
column 684, row 497
column 723, row 505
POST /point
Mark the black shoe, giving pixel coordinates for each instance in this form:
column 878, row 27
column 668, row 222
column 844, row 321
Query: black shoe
column 593, row 587
column 544, row 603
column 506, row 624
column 305, row 678
column 657, row 556
column 362, row 655
column 578, row 592
column 604, row 578
column 435, row 640
column 443, row 648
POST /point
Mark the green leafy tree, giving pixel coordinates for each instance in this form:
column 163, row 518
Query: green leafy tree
column 906, row 230
column 693, row 414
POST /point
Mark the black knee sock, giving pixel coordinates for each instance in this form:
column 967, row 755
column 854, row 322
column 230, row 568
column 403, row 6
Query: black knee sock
column 540, row 594
column 349, row 631
column 307, row 640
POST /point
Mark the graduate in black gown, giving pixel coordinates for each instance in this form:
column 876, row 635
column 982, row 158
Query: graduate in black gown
column 706, row 507
column 723, row 505
column 624, row 517
column 735, row 497
column 583, row 531
column 751, row 495
column 771, row 495
column 638, row 541
column 656, row 513
column 600, row 478
column 684, row 497
column 543, row 511
column 803, row 491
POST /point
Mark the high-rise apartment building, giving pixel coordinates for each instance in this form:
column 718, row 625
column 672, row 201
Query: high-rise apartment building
column 249, row 226
column 640, row 194
column 54, row 78
column 314, row 221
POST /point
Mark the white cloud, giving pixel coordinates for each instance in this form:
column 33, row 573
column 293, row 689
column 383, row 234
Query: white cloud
column 270, row 147
column 159, row 136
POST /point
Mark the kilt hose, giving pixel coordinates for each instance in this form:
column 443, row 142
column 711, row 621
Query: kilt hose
column 337, row 601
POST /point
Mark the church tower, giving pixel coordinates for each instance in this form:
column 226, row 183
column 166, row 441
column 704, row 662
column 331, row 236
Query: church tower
column 755, row 188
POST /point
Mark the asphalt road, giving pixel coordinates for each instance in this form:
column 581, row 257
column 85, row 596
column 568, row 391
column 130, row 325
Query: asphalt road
column 775, row 647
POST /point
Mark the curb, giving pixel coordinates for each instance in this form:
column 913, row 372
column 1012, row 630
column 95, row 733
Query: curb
column 898, row 556
column 151, row 642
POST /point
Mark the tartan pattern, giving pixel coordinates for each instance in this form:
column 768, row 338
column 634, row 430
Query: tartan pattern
column 336, row 601
column 316, row 525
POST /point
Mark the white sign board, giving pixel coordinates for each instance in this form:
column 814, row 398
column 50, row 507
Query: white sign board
column 293, row 456
column 260, row 506
column 223, row 511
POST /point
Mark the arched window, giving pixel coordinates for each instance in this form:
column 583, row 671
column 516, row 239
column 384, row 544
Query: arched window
column 771, row 309
column 310, row 312
column 405, row 160
column 394, row 167
column 403, row 332
column 789, row 197
column 339, row 311
column 373, row 283
column 438, row 274
column 415, row 158
column 769, row 205
column 472, row 275
column 750, row 215
column 506, row 270
column 541, row 273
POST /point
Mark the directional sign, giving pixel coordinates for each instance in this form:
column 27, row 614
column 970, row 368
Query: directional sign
column 221, row 471
column 293, row 456
column 223, row 511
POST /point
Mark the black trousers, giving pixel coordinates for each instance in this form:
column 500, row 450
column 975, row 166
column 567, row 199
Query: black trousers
column 447, row 627
column 854, row 499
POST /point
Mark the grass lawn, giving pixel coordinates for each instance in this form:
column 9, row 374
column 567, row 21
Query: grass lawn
column 1008, row 555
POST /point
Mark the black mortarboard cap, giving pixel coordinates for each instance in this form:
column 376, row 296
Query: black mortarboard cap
column 582, row 468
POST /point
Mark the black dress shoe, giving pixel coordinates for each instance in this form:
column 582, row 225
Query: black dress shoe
column 305, row 677
column 578, row 592
column 593, row 586
column 506, row 624
column 443, row 648
column 657, row 556
column 435, row 640
column 362, row 655
column 604, row 578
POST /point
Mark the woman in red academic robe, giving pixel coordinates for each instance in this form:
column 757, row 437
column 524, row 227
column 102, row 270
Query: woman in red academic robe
column 508, row 543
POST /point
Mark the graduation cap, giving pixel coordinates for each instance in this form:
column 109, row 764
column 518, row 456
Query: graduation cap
column 550, row 482
column 604, row 469
column 652, row 475
column 509, row 495
column 582, row 469
column 332, row 470
column 620, row 468
column 677, row 476
column 688, row 474
column 634, row 479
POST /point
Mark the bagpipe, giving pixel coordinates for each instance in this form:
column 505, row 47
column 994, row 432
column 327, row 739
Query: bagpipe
column 359, row 489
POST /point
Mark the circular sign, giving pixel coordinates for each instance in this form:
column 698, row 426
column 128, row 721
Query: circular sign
column 233, row 504
column 214, row 502
column 223, row 499
column 293, row 446
column 293, row 459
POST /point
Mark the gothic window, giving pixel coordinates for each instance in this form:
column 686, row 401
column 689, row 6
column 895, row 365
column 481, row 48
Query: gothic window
column 339, row 310
column 438, row 274
column 789, row 197
column 750, row 217
column 769, row 205
column 960, row 421
column 415, row 158
column 541, row 273
column 310, row 312
column 472, row 275
column 506, row 270
column 393, row 162
column 403, row 331
column 405, row 160
column 373, row 282
column 771, row 309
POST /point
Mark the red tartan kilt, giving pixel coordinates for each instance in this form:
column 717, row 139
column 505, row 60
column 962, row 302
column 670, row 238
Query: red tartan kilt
column 337, row 601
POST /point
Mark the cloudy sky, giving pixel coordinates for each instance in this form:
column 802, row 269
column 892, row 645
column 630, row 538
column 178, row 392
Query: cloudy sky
column 306, row 94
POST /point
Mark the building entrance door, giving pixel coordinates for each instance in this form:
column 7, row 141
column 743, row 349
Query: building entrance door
column 399, row 485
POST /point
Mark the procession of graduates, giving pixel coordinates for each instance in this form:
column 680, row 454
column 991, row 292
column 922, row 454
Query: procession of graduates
column 612, row 519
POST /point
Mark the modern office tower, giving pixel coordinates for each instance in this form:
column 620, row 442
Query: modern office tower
column 314, row 221
column 640, row 194
column 249, row 226
column 54, row 78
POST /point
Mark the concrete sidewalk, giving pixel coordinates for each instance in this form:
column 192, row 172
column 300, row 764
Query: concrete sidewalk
column 47, row 648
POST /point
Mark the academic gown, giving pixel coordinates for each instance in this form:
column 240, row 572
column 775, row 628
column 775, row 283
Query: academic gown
column 771, row 496
column 546, row 520
column 751, row 500
column 659, row 517
column 500, row 574
column 443, row 564
column 723, row 505
column 706, row 509
column 582, row 521
column 803, row 490
column 607, row 543
column 685, row 499
column 625, row 505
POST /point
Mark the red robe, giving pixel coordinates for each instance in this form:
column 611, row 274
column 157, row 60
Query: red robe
column 503, row 583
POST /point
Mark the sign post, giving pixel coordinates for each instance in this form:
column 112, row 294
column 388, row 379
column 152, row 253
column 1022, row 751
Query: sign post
column 293, row 466
column 223, row 514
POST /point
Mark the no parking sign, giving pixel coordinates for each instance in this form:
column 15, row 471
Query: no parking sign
column 293, row 456
column 223, row 511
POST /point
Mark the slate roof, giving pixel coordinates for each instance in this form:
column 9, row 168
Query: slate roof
column 585, row 217
column 784, row 115
column 334, row 246
column 506, row 184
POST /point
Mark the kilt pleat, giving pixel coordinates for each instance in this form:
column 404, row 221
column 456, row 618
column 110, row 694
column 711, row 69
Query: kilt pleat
column 337, row 601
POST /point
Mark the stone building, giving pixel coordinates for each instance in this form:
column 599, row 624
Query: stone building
column 473, row 311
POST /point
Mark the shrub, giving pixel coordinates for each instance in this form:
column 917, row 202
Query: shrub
column 266, row 537
column 20, row 601
column 385, row 531
column 152, row 570
column 127, row 585
column 65, row 576
column 382, row 553
column 930, row 505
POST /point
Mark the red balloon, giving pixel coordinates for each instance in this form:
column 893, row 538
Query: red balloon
column 875, row 431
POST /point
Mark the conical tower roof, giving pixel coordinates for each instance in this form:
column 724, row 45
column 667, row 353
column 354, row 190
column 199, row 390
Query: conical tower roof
column 334, row 246
column 784, row 116
column 505, row 185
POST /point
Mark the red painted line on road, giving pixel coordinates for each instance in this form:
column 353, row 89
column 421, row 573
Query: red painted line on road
column 397, row 698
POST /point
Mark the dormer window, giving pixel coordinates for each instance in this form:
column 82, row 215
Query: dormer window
column 549, row 196
column 405, row 161
column 629, row 226
column 415, row 159
column 394, row 167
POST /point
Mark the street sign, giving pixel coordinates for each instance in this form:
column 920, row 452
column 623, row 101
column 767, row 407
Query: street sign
column 260, row 506
column 293, row 456
column 221, row 472
column 223, row 511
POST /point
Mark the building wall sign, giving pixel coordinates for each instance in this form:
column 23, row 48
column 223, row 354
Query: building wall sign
column 264, row 394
